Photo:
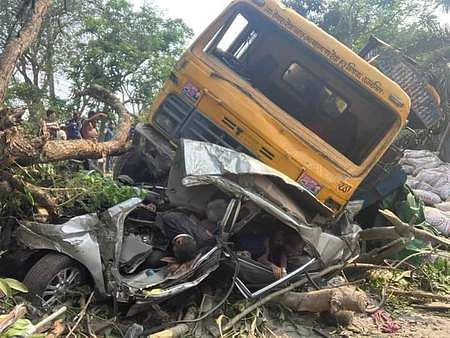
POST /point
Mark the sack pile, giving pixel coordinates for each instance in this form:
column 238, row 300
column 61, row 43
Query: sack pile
column 429, row 179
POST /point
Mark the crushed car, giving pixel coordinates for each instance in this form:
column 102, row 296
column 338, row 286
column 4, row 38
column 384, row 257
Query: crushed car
column 124, row 250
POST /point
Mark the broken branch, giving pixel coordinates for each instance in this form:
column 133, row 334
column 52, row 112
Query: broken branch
column 36, row 328
column 17, row 313
column 406, row 230
column 420, row 294
column 10, row 117
column 81, row 315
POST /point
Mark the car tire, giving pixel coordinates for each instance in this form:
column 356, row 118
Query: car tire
column 54, row 273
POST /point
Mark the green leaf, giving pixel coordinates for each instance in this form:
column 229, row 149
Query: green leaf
column 18, row 329
column 5, row 288
column 16, row 285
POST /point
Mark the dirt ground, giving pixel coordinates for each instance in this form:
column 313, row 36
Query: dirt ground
column 413, row 323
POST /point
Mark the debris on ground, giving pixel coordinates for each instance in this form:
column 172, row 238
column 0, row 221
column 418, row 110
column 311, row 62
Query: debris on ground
column 129, row 247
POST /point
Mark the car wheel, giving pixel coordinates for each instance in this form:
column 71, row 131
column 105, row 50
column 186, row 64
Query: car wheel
column 54, row 279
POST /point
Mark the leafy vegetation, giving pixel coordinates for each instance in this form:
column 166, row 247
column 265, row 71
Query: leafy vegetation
column 434, row 277
column 9, row 287
column 98, row 192
column 74, row 192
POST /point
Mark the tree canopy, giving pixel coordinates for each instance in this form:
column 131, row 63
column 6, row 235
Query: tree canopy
column 412, row 26
column 108, row 42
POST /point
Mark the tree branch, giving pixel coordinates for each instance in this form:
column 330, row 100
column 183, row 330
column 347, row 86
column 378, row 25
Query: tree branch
column 17, row 45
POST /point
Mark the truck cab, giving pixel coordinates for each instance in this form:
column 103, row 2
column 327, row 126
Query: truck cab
column 263, row 80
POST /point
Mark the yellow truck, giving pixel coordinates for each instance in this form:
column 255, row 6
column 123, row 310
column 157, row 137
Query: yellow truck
column 263, row 80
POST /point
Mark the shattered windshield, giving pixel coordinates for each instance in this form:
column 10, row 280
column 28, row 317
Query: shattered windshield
column 296, row 79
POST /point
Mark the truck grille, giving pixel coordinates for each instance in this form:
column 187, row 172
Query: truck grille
column 192, row 124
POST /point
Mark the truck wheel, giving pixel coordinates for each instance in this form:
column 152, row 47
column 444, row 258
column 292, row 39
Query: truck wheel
column 53, row 279
column 130, row 164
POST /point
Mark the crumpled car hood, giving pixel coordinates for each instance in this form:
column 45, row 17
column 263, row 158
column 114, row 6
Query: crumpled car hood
column 210, row 164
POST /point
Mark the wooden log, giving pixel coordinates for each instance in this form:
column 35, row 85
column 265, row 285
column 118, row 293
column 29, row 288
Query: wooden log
column 42, row 199
column 279, row 293
column 17, row 313
column 327, row 300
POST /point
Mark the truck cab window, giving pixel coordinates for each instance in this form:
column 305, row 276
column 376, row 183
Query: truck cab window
column 301, row 80
column 233, row 42
column 304, row 85
column 233, row 32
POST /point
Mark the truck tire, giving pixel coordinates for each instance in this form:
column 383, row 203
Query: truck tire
column 130, row 164
column 53, row 279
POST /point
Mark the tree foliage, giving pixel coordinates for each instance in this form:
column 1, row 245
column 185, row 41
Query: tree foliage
column 129, row 51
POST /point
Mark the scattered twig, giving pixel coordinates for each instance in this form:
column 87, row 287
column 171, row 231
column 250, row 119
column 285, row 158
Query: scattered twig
column 71, row 199
column 178, row 330
column 419, row 294
column 368, row 266
column 421, row 253
column 276, row 294
column 81, row 315
column 36, row 328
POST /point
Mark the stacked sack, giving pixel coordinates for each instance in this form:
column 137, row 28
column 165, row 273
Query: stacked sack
column 429, row 178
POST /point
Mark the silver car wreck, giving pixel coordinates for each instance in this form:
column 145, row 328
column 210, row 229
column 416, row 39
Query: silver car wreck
column 101, row 247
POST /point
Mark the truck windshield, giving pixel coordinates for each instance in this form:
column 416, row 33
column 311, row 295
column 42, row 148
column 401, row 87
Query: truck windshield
column 302, row 83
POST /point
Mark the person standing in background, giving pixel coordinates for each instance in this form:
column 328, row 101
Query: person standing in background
column 49, row 127
column 74, row 127
column 89, row 126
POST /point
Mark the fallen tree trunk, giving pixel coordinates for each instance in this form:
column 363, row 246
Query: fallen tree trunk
column 18, row 44
column 16, row 148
